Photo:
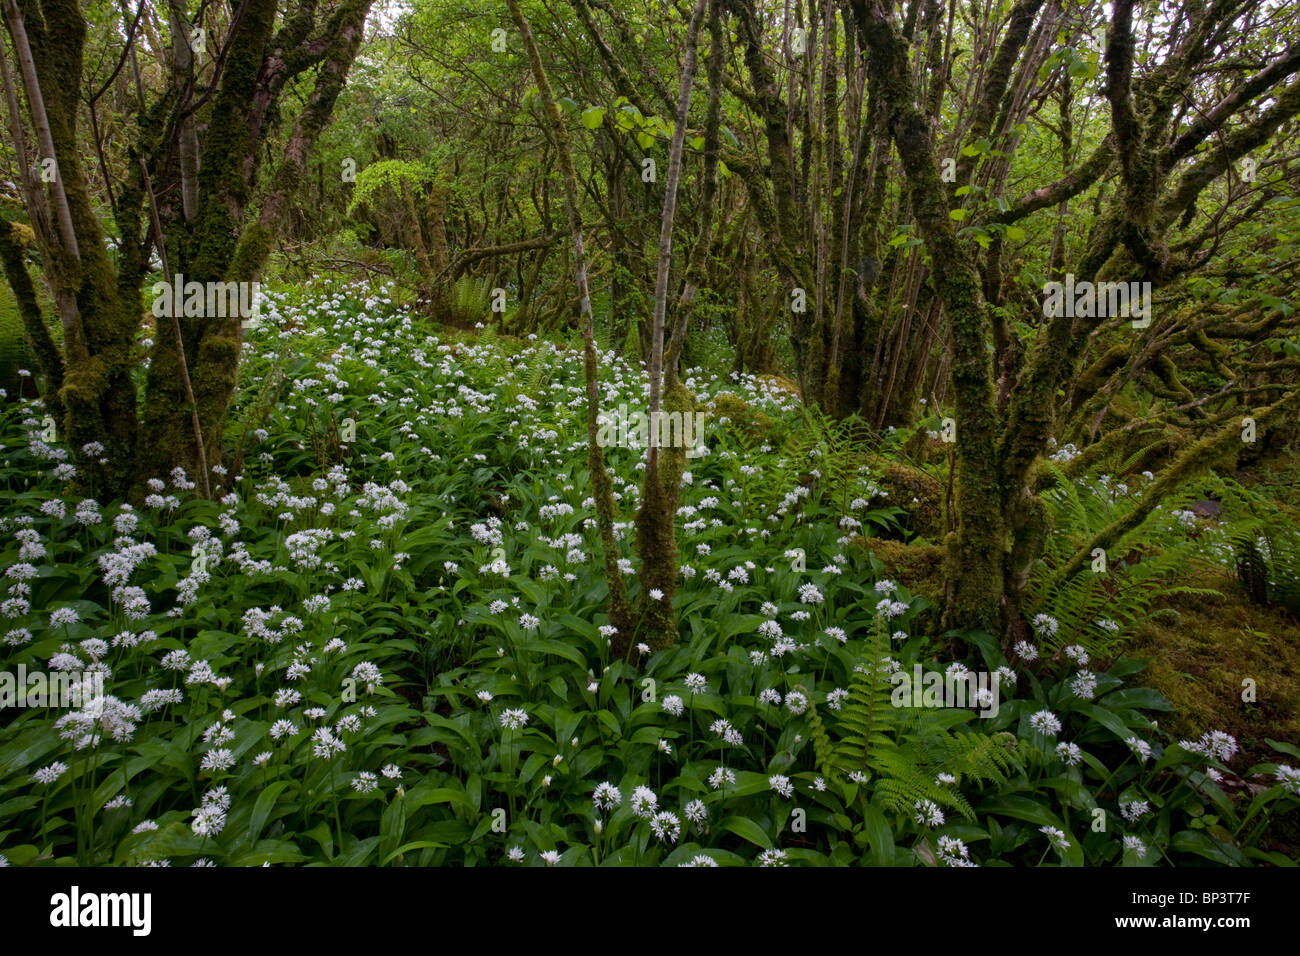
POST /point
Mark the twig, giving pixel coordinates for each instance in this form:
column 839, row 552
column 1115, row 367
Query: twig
column 176, row 327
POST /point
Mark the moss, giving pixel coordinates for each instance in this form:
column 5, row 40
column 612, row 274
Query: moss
column 743, row 418
column 1201, row 653
column 919, row 494
column 656, row 531
column 918, row 567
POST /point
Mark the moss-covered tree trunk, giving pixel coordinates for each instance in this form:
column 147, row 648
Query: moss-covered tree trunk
column 98, row 393
column 602, row 487
column 221, row 244
column 976, row 549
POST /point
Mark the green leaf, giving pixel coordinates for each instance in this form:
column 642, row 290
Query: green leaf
column 1280, row 747
column 408, row 847
column 593, row 116
column 1015, row 233
column 746, row 829
column 1020, row 807
column 879, row 836
column 957, row 214
column 1107, row 719
column 554, row 647
column 1202, row 844
column 263, row 807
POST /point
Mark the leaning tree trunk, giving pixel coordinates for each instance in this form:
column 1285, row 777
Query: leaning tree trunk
column 602, row 487
column 655, row 521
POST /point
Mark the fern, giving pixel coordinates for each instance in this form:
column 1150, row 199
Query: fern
column 833, row 448
column 899, row 752
column 1140, row 567
column 823, row 749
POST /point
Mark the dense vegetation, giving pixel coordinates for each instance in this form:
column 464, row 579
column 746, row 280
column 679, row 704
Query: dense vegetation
column 379, row 575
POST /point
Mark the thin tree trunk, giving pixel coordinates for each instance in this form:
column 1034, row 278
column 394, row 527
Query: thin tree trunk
column 601, row 484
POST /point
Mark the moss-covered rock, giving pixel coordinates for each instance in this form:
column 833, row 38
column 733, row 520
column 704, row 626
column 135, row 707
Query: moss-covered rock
column 918, row 567
column 916, row 492
column 1203, row 649
column 742, row 417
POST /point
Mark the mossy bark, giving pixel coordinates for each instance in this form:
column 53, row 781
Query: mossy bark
column 98, row 393
column 976, row 550
column 37, row 336
column 602, row 487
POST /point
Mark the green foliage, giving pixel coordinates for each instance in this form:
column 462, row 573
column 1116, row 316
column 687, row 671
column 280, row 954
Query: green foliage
column 902, row 748
column 14, row 351
column 1098, row 609
column 390, row 174
column 426, row 590
column 469, row 301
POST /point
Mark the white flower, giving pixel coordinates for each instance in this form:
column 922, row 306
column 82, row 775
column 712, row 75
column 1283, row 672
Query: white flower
column 1057, row 838
column 1070, row 753
column 953, row 852
column 1026, row 650
column 1084, row 685
column 1134, row 810
column 796, row 702
column 697, row 813
column 673, row 705
column 607, row 796
column 51, row 773
column 928, row 813
column 1136, row 845
column 666, row 826
column 514, row 718
column 781, row 784
column 218, row 759
column 696, row 683
column 1289, row 778
column 1046, row 723
column 550, row 857
column 808, row 594
column 1139, row 747
column 644, row 802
